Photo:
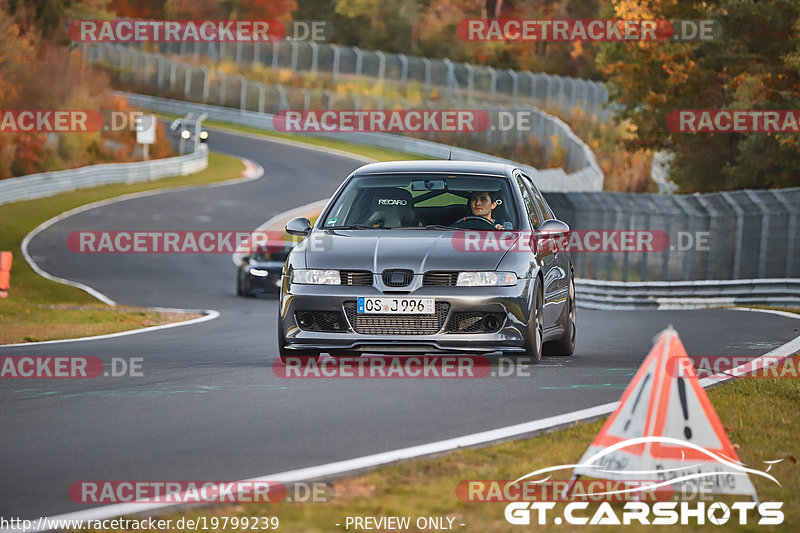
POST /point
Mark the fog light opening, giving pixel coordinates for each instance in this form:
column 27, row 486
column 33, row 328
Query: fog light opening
column 305, row 320
column 491, row 323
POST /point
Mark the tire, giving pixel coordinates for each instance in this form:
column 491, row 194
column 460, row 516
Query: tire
column 565, row 346
column 247, row 292
column 533, row 338
column 285, row 355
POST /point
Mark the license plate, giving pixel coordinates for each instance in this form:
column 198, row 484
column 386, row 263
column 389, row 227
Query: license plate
column 405, row 306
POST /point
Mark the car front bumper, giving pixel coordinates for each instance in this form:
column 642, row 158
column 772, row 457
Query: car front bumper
column 511, row 306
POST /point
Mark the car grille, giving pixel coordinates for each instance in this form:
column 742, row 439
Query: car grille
column 362, row 278
column 320, row 320
column 369, row 324
column 394, row 277
column 475, row 322
column 440, row 279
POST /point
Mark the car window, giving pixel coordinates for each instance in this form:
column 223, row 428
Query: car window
column 544, row 207
column 530, row 205
column 418, row 200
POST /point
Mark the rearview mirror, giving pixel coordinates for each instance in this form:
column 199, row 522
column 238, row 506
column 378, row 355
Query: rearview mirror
column 300, row 226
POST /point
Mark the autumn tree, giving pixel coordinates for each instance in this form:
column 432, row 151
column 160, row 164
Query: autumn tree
column 753, row 65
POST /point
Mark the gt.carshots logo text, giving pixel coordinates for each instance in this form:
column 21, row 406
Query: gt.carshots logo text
column 659, row 513
column 167, row 31
column 408, row 120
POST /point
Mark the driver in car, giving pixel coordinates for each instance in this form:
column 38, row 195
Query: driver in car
column 482, row 204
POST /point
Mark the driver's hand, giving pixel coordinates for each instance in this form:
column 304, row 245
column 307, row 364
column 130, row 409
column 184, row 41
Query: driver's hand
column 499, row 226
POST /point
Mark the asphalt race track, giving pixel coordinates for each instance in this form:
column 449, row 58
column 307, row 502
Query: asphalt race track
column 209, row 406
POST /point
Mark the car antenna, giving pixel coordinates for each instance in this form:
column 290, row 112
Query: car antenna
column 450, row 157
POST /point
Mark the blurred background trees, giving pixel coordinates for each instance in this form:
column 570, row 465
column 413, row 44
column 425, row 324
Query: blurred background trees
column 754, row 65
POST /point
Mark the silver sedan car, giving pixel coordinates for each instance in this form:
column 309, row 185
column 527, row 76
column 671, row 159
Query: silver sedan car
column 420, row 257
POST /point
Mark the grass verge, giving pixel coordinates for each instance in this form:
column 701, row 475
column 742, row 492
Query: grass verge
column 38, row 309
column 758, row 414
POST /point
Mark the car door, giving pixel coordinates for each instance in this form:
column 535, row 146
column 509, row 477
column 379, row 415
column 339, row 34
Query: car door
column 555, row 260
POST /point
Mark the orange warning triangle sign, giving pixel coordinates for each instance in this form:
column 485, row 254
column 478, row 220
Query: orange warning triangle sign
column 671, row 424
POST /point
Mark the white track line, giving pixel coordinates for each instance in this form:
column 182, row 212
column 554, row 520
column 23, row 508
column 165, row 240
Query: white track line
column 371, row 461
column 253, row 171
column 297, row 144
column 303, row 210
column 339, row 468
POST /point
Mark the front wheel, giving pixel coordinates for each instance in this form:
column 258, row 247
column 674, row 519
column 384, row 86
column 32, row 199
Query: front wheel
column 291, row 356
column 535, row 330
column 566, row 344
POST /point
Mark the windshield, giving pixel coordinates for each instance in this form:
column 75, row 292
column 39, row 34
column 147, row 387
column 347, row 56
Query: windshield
column 424, row 200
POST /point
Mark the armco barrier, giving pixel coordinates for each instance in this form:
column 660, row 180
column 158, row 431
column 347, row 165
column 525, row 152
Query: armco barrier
column 742, row 235
column 45, row 184
column 157, row 74
column 587, row 179
column 594, row 294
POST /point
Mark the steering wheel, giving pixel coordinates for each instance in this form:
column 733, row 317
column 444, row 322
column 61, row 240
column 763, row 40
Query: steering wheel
column 473, row 222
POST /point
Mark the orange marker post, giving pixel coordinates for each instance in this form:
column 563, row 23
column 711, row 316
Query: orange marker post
column 5, row 273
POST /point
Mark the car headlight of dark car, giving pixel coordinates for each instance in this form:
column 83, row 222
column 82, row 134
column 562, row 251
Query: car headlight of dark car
column 258, row 272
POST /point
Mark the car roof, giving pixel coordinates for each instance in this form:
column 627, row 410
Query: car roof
column 444, row 167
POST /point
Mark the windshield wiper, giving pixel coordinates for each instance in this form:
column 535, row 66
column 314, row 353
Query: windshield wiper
column 429, row 226
column 351, row 226
column 438, row 226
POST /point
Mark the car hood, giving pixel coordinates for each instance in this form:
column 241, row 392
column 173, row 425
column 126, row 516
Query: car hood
column 376, row 250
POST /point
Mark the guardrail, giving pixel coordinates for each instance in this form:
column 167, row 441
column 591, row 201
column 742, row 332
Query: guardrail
column 461, row 81
column 164, row 76
column 45, row 184
column 555, row 180
column 595, row 294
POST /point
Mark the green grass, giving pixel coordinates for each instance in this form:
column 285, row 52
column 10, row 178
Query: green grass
column 760, row 416
column 372, row 152
column 39, row 309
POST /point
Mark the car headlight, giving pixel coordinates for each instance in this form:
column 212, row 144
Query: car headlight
column 186, row 134
column 259, row 272
column 204, row 135
column 316, row 277
column 486, row 279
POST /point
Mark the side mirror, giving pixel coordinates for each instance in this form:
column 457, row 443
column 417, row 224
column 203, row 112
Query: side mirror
column 245, row 258
column 298, row 226
column 552, row 227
